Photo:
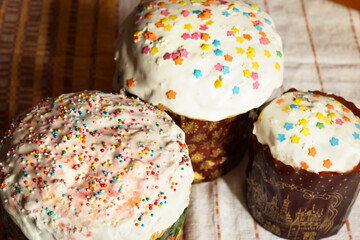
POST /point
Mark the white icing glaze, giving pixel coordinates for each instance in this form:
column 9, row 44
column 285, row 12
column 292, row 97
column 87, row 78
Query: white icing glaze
column 310, row 131
column 232, row 43
column 89, row 165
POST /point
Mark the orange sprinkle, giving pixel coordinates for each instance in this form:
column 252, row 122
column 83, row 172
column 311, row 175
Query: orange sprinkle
column 204, row 15
column 346, row 110
column 161, row 4
column 159, row 25
column 171, row 94
column 131, row 83
column 280, row 101
column 330, row 107
column 327, row 163
column 228, row 58
column 304, row 165
column 173, row 1
column 150, row 36
column 263, row 34
column 178, row 61
column 205, row 37
column 136, row 38
column 252, row 15
column 247, row 37
column 346, row 119
column 312, row 152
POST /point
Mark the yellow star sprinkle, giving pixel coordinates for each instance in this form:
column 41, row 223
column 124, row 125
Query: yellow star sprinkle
column 295, row 139
column 298, row 101
column 205, row 47
column 247, row 73
column 154, row 51
column 331, row 115
column 210, row 22
column 328, row 121
column 239, row 39
column 303, row 108
column 168, row 28
column 164, row 21
column 337, row 102
column 305, row 132
column 286, row 109
column 320, row 116
column 303, row 122
column 218, row 84
column 357, row 118
column 267, row 54
column 277, row 66
column 235, row 30
column 182, row 3
column 138, row 33
column 256, row 8
column 188, row 27
column 255, row 66
column 240, row 50
column 173, row 17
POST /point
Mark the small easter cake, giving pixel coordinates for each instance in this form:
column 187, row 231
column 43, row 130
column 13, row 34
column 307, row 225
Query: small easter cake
column 303, row 175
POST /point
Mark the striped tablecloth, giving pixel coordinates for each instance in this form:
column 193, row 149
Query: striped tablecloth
column 48, row 47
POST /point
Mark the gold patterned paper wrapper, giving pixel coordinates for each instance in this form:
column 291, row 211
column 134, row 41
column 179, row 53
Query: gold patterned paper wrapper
column 13, row 232
column 215, row 147
column 297, row 204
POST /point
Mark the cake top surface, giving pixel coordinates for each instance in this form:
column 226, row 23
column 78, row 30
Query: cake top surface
column 310, row 131
column 92, row 165
column 205, row 60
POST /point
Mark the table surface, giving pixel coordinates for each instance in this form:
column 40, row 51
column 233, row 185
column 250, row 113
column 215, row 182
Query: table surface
column 51, row 47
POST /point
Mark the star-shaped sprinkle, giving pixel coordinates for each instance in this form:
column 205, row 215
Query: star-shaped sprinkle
column 286, row 109
column 277, row 66
column 330, row 107
column 331, row 115
column 197, row 73
column 357, row 126
column 218, row 67
column 267, row 21
column 288, row 126
column 327, row 163
column 235, row 30
column 247, row 73
column 218, row 84
column 178, row 61
column 334, row 142
column 205, row 47
column 165, row 12
column 218, row 52
column 148, row 15
column 320, row 125
column 225, row 70
column 154, row 51
column 228, row 58
column 182, row 3
column 267, row 53
column 246, row 14
column 171, row 94
column 131, row 83
column 293, row 106
column 320, row 116
column 279, row 54
column 298, row 101
column 230, row 33
column 205, row 37
column 203, row 27
column 150, row 36
column 305, row 132
column 185, row 13
column 235, row 90
column 263, row 41
column 339, row 122
column 186, row 36
column 209, row 23
column 195, row 36
column 173, row 17
column 225, row 13
column 281, row 137
column 255, row 65
column 164, row 21
column 346, row 119
column 247, row 37
column 188, row 27
column 255, row 76
column 168, row 28
column 303, row 108
column 303, row 122
column 312, row 152
column 205, row 15
column 356, row 136
column 256, row 85
column 295, row 139
column 280, row 101
column 239, row 39
column 146, row 50
column 304, row 165
column 240, row 50
column 184, row 53
column 216, row 43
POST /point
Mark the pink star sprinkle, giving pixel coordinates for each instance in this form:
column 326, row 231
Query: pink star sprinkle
column 256, row 85
column 263, row 41
column 339, row 122
column 167, row 56
column 184, row 53
column 146, row 50
column 203, row 27
column 175, row 55
column 255, row 76
column 165, row 12
column 230, row 33
column 185, row 13
column 218, row 67
column 185, row 36
column 195, row 36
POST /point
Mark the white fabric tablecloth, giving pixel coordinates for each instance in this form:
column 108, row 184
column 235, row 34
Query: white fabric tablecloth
column 322, row 52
